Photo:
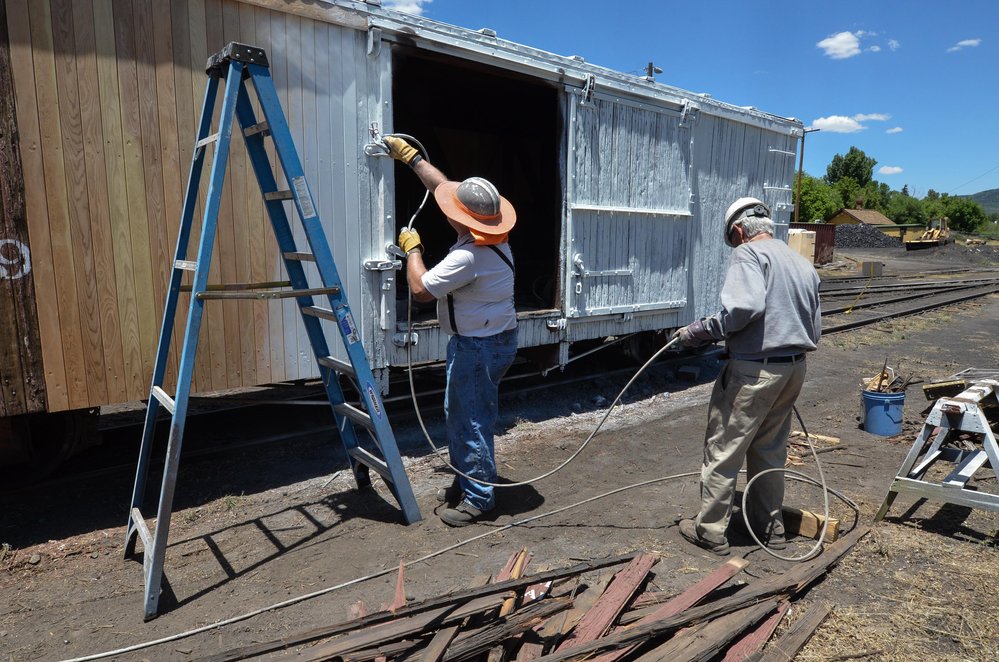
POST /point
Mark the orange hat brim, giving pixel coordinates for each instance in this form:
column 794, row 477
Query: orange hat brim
column 445, row 196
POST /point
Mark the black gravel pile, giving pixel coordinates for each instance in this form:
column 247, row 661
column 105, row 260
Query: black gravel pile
column 863, row 236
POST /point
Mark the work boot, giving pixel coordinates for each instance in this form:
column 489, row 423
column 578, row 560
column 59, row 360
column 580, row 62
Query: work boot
column 461, row 515
column 688, row 529
column 450, row 494
column 774, row 541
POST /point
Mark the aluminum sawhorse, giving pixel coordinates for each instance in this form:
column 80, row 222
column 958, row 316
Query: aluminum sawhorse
column 962, row 435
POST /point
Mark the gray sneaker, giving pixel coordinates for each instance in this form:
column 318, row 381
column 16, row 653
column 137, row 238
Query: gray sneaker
column 688, row 529
column 461, row 515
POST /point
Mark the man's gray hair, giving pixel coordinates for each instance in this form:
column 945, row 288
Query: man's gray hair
column 755, row 225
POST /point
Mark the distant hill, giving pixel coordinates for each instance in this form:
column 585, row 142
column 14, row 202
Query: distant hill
column 989, row 200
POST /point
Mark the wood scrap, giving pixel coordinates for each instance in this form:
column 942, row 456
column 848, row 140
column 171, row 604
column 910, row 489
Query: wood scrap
column 700, row 623
column 805, row 523
column 752, row 642
column 705, row 640
column 785, row 585
column 685, row 600
column 796, row 636
column 609, row 606
column 456, row 597
column 434, row 650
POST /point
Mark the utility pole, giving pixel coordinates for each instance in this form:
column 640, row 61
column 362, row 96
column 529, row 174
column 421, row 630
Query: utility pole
column 801, row 164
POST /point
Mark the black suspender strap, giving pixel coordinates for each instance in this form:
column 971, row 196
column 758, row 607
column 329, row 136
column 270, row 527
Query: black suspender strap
column 502, row 256
column 450, row 313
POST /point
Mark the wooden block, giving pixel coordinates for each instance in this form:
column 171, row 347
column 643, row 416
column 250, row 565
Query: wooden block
column 946, row 389
column 808, row 524
column 817, row 437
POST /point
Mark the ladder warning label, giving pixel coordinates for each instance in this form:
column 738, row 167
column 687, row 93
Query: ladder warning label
column 373, row 400
column 304, row 198
column 348, row 328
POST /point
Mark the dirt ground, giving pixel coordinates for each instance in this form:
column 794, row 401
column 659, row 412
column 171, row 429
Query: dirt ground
column 282, row 520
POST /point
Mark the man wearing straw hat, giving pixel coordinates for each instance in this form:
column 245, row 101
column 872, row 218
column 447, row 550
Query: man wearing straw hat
column 473, row 287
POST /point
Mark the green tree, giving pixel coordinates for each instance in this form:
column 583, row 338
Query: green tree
column 855, row 164
column 964, row 215
column 819, row 202
column 932, row 195
column 905, row 209
column 849, row 192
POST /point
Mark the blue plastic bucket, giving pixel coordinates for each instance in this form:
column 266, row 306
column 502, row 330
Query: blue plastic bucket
column 882, row 412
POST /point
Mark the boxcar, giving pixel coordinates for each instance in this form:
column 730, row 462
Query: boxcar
column 620, row 184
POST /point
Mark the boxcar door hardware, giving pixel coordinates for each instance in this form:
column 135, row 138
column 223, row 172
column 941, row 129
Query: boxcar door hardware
column 241, row 68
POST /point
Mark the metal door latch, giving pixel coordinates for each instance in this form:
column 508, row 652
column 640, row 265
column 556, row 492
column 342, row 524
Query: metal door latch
column 404, row 339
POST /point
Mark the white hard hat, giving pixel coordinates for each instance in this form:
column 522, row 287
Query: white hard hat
column 740, row 209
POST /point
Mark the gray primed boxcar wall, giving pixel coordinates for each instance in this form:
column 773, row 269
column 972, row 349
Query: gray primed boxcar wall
column 648, row 172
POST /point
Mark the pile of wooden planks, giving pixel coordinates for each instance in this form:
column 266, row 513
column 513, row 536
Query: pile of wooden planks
column 599, row 610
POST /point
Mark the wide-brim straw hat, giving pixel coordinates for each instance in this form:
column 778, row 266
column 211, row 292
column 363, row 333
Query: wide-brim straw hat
column 476, row 204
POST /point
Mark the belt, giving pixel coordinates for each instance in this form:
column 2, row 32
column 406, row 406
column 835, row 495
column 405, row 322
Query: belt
column 778, row 359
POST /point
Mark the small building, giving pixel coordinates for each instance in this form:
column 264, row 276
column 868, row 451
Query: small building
column 855, row 216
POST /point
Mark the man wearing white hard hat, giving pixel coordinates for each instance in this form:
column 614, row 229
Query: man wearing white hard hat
column 473, row 287
column 769, row 320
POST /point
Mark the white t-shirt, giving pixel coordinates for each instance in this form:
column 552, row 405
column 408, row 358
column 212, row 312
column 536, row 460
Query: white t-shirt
column 481, row 284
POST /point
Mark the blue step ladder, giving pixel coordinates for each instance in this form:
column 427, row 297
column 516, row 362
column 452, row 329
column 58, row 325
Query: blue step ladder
column 236, row 65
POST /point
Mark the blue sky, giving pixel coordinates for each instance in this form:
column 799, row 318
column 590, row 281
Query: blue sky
column 914, row 84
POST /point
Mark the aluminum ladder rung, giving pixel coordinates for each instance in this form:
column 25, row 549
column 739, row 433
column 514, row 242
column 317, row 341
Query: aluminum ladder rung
column 267, row 294
column 316, row 311
column 185, row 265
column 259, row 127
column 139, row 522
column 354, row 414
column 206, row 141
column 301, row 257
column 279, row 195
column 164, row 399
column 369, row 460
column 337, row 365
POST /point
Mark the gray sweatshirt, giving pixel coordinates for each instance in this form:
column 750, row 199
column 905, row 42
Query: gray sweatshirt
column 770, row 302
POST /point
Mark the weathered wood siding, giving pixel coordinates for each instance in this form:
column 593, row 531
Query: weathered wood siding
column 108, row 93
column 22, row 388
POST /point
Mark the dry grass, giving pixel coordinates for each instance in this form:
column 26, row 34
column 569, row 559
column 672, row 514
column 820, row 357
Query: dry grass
column 908, row 594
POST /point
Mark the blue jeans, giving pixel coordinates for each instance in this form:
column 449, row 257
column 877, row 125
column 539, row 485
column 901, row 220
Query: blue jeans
column 475, row 367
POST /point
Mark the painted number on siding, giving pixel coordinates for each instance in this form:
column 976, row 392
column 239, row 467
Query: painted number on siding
column 15, row 260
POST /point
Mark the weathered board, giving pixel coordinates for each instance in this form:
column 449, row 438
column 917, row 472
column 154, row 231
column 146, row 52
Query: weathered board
column 21, row 380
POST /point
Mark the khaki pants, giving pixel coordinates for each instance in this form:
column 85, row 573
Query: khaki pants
column 749, row 417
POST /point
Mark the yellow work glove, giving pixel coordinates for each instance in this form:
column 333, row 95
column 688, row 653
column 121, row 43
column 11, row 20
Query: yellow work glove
column 409, row 241
column 400, row 150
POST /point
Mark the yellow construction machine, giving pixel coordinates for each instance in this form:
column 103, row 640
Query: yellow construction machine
column 937, row 234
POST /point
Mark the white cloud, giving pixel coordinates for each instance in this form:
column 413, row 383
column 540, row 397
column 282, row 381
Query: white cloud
column 895, row 129
column 893, row 44
column 837, row 124
column 407, row 6
column 844, row 124
column 889, row 170
column 872, row 117
column 840, row 45
column 964, row 43
column 875, row 49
